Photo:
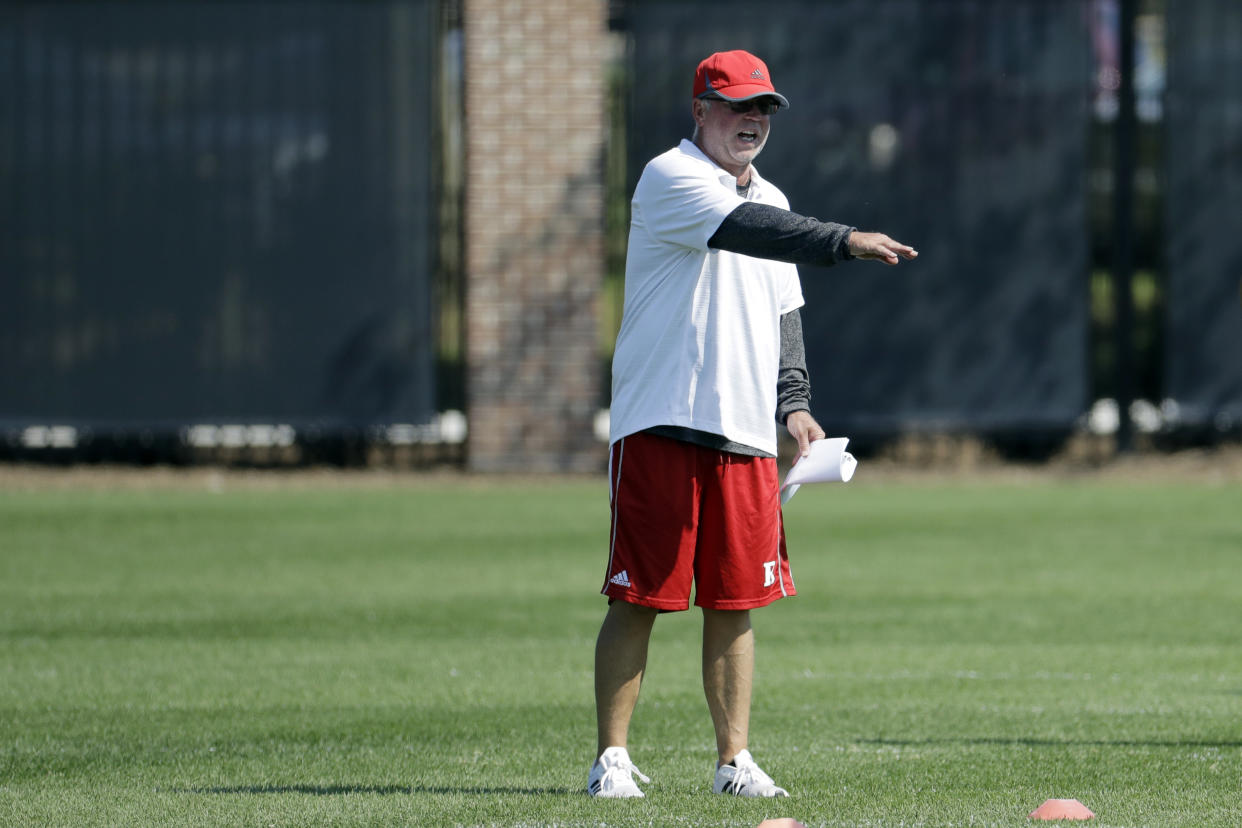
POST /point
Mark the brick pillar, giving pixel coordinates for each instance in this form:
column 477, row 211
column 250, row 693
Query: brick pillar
column 535, row 123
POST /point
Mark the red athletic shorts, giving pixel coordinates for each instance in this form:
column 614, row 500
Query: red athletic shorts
column 684, row 514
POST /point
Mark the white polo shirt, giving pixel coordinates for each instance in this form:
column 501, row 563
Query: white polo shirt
column 699, row 344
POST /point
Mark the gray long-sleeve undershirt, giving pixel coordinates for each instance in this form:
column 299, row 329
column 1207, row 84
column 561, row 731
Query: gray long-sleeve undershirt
column 768, row 232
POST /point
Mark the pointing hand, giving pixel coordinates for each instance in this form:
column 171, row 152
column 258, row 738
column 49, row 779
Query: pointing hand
column 879, row 247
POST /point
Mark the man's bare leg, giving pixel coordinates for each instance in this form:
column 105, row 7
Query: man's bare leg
column 728, row 675
column 620, row 660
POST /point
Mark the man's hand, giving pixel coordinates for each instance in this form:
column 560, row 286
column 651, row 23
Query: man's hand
column 803, row 428
column 879, row 247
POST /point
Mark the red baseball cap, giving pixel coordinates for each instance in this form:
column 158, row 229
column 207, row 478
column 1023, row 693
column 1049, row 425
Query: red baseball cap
column 735, row 76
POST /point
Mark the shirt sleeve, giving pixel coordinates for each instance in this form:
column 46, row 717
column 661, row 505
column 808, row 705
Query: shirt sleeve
column 793, row 383
column 768, row 232
column 682, row 203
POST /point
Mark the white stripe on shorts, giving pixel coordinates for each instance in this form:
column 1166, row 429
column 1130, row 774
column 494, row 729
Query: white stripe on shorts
column 618, row 450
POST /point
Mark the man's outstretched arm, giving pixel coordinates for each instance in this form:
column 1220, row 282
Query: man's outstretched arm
column 768, row 232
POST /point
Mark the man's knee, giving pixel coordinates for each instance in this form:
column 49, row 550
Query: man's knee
column 739, row 619
column 627, row 613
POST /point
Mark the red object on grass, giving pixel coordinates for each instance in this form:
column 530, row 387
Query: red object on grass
column 1062, row 809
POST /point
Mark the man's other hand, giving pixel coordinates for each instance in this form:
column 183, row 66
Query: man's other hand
column 803, row 428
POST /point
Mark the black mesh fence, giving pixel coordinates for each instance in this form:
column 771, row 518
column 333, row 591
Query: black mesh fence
column 957, row 126
column 1203, row 360
column 216, row 213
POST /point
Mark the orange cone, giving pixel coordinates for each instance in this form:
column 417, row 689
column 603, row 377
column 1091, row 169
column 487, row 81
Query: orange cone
column 1062, row 809
column 783, row 822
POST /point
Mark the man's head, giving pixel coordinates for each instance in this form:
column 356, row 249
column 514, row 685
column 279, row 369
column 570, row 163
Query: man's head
column 733, row 97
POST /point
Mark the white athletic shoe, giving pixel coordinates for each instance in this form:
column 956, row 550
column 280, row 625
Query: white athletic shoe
column 610, row 775
column 745, row 778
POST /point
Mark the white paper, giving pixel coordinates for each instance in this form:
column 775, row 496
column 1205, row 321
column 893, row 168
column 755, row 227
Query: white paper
column 828, row 462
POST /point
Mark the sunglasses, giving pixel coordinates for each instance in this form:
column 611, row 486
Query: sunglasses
column 766, row 106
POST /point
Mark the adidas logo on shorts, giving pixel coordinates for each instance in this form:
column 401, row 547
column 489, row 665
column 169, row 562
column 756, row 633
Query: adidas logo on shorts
column 622, row 578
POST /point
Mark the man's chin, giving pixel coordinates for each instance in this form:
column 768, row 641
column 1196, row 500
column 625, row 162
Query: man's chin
column 747, row 152
column 746, row 157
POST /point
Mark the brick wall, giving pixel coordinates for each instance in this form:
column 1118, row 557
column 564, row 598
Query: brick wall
column 535, row 126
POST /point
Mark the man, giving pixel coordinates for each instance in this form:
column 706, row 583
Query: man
column 709, row 357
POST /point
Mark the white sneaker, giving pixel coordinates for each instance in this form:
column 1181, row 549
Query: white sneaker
column 744, row 778
column 610, row 775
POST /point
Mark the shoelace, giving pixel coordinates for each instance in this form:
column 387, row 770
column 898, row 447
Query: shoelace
column 750, row 775
column 612, row 773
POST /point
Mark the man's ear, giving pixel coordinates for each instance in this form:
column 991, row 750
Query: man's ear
column 698, row 109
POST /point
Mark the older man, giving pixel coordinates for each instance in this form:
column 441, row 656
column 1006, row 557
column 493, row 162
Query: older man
column 709, row 358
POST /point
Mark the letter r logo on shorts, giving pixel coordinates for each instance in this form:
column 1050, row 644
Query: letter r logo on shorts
column 769, row 573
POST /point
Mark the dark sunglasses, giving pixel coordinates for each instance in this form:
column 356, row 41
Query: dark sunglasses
column 766, row 106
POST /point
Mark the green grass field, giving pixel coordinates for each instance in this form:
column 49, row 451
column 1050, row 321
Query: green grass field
column 419, row 652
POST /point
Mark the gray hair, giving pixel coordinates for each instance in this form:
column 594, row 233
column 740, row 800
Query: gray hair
column 707, row 104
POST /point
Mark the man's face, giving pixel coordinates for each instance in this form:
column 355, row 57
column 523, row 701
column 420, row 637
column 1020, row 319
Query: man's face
column 731, row 139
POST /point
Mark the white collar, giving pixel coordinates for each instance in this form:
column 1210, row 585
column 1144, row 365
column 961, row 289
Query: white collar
column 727, row 178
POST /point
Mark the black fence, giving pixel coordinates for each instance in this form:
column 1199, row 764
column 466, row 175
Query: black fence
column 220, row 213
column 959, row 127
column 216, row 213
column 985, row 134
column 1203, row 244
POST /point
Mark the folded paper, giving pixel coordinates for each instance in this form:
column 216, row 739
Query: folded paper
column 828, row 462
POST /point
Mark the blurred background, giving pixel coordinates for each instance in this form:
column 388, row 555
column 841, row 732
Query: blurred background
column 394, row 232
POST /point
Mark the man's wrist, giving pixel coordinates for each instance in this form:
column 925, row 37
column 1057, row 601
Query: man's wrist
column 849, row 247
column 792, row 410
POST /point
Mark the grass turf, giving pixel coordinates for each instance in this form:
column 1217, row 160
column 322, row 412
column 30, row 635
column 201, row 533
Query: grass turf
column 421, row 654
